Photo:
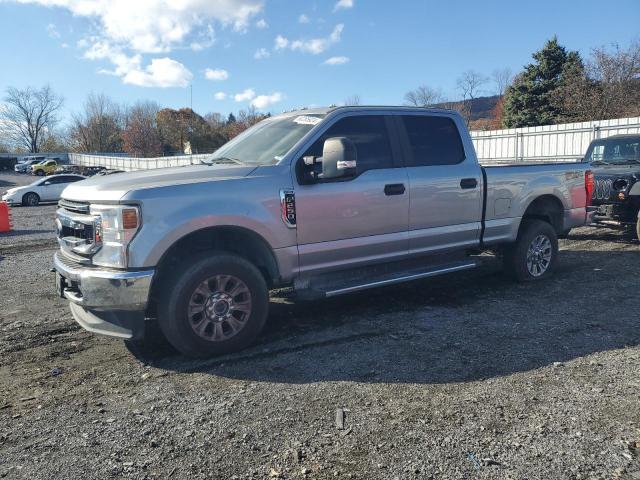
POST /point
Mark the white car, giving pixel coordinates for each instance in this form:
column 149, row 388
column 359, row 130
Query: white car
column 46, row 189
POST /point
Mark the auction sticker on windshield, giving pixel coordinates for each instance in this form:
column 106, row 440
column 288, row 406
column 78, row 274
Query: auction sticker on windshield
column 307, row 120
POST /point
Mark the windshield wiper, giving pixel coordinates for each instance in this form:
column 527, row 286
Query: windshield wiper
column 600, row 162
column 219, row 160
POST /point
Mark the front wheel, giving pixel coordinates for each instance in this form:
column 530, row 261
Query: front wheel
column 534, row 255
column 31, row 200
column 216, row 305
column 40, row 173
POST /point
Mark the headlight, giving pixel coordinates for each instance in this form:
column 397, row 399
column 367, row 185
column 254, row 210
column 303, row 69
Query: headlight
column 115, row 227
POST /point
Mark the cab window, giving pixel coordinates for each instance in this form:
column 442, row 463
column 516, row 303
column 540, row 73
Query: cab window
column 370, row 137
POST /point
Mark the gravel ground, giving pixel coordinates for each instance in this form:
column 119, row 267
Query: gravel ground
column 466, row 376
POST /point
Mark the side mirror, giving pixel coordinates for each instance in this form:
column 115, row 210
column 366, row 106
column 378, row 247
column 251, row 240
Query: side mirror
column 339, row 158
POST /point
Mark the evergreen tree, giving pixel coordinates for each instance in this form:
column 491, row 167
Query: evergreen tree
column 531, row 100
column 231, row 119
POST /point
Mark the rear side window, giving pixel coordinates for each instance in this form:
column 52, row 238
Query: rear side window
column 370, row 136
column 432, row 141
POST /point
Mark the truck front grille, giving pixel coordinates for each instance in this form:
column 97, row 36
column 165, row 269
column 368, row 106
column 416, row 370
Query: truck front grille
column 74, row 207
column 76, row 229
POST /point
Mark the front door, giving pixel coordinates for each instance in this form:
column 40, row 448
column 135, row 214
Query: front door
column 362, row 219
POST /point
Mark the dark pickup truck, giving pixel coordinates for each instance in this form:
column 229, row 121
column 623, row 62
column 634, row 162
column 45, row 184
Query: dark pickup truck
column 616, row 167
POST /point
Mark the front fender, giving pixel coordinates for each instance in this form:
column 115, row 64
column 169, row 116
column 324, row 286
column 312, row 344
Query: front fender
column 176, row 212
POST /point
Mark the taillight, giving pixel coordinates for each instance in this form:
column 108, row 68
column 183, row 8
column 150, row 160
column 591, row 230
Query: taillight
column 589, row 185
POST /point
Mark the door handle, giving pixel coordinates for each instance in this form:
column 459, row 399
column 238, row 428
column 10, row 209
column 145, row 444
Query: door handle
column 468, row 183
column 394, row 189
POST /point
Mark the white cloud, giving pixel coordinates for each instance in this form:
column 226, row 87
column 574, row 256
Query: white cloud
column 343, row 5
column 248, row 94
column 314, row 46
column 281, row 42
column 216, row 74
column 262, row 23
column 263, row 101
column 261, row 53
column 336, row 60
column 52, row 31
column 219, row 95
column 303, row 19
column 157, row 26
column 161, row 72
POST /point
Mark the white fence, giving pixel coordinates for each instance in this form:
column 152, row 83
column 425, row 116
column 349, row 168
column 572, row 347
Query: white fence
column 564, row 142
column 551, row 143
column 130, row 163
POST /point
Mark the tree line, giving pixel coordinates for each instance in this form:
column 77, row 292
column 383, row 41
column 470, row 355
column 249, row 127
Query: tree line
column 29, row 121
column 559, row 86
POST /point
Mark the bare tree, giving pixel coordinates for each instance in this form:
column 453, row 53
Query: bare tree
column 140, row 136
column 617, row 72
column 98, row 128
column 215, row 120
column 28, row 114
column 352, row 100
column 249, row 117
column 423, row 96
column 502, row 78
column 469, row 85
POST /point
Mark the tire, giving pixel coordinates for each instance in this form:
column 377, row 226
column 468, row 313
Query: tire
column 194, row 299
column 39, row 173
column 525, row 265
column 638, row 228
column 30, row 199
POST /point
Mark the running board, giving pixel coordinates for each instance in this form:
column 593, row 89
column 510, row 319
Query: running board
column 333, row 289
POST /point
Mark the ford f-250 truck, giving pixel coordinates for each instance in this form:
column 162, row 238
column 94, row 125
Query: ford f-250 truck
column 328, row 201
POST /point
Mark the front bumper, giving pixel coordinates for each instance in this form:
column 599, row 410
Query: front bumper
column 104, row 301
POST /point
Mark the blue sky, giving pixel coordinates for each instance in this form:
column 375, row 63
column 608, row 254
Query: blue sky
column 280, row 54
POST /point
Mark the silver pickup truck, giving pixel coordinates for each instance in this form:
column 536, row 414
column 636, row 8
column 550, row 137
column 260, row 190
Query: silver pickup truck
column 329, row 201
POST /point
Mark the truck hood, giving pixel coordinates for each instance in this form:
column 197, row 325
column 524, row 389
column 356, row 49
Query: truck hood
column 113, row 187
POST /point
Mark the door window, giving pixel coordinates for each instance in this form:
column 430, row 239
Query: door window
column 370, row 137
column 433, row 140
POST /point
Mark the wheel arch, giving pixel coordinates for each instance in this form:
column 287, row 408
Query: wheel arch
column 548, row 208
column 31, row 192
column 230, row 239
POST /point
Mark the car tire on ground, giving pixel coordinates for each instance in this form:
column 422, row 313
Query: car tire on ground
column 212, row 305
column 534, row 254
column 638, row 227
column 30, row 199
column 39, row 173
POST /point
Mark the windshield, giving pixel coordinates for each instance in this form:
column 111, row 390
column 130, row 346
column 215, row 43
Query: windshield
column 616, row 151
column 266, row 142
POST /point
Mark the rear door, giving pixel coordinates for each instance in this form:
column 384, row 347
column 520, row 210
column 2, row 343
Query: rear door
column 445, row 184
column 358, row 220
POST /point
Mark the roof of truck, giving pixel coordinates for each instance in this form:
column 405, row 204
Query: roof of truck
column 326, row 110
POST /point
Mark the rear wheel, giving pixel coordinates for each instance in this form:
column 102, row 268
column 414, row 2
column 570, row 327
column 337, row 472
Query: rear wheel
column 30, row 199
column 217, row 305
column 534, row 255
column 40, row 173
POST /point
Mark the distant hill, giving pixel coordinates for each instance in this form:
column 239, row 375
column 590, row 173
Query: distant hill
column 481, row 107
